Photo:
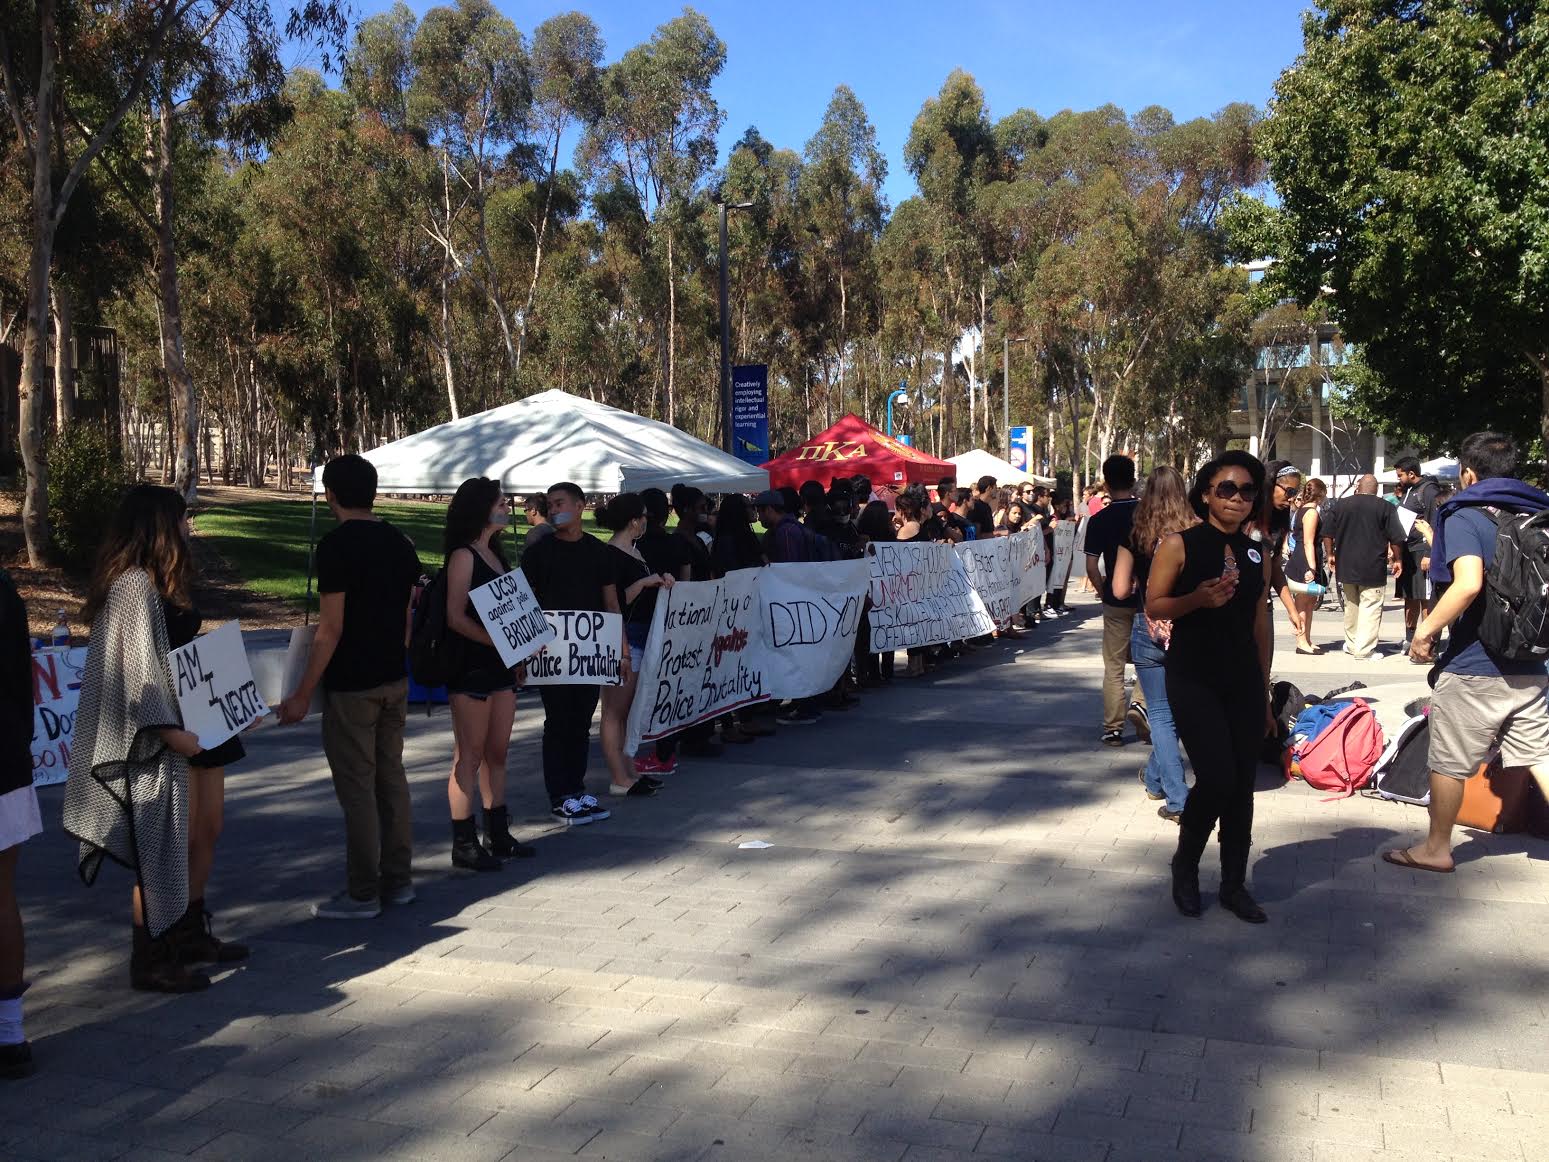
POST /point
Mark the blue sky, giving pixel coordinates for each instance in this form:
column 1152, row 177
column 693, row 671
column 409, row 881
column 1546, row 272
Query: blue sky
column 784, row 58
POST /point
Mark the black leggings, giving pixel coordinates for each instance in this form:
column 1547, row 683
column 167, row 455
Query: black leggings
column 1221, row 725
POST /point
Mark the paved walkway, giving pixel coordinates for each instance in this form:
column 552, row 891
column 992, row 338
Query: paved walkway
column 959, row 945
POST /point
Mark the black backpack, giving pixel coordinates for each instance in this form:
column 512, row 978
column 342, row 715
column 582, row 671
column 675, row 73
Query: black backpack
column 430, row 641
column 1516, row 588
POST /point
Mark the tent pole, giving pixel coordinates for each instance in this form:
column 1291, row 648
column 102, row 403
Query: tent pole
column 306, row 613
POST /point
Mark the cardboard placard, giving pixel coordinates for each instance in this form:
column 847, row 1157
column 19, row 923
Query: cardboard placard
column 215, row 689
column 56, row 693
column 513, row 617
column 587, row 650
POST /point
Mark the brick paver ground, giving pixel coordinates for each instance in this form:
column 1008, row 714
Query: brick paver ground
column 960, row 945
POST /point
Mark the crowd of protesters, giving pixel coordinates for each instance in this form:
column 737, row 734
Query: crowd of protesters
column 1188, row 574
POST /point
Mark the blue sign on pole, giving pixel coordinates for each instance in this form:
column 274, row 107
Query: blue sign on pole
column 1021, row 451
column 750, row 412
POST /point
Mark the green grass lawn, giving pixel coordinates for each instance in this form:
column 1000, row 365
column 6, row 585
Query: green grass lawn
column 265, row 541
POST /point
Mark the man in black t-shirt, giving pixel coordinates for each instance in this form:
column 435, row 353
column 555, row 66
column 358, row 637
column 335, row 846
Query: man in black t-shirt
column 1364, row 540
column 1105, row 532
column 1416, row 494
column 366, row 573
column 979, row 511
column 571, row 570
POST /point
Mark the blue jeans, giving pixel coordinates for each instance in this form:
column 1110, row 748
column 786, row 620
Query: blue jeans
column 1164, row 771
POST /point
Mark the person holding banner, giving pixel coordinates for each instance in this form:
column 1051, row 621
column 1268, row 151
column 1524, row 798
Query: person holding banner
column 19, row 820
column 1163, row 509
column 1210, row 581
column 571, row 570
column 625, row 517
column 479, row 684
column 130, row 796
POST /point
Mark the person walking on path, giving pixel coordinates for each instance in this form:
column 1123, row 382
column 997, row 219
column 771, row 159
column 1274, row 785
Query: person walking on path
column 1163, row 509
column 480, row 686
column 1481, row 700
column 1301, row 564
column 366, row 573
column 1209, row 581
column 1417, row 495
column 20, row 820
column 130, row 795
column 1363, row 539
column 1106, row 531
column 571, row 570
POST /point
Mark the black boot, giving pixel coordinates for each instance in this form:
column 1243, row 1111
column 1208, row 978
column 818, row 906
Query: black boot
column 466, row 849
column 1185, row 868
column 196, row 943
column 1234, row 874
column 498, row 838
column 154, row 967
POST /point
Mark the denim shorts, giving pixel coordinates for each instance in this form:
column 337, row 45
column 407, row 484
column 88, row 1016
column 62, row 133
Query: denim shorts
column 636, row 632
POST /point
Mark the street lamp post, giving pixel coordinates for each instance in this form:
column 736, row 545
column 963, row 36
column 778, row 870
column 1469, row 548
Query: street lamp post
column 1005, row 394
column 726, row 438
column 902, row 392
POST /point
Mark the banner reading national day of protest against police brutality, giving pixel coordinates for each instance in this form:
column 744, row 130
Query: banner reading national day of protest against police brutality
column 921, row 596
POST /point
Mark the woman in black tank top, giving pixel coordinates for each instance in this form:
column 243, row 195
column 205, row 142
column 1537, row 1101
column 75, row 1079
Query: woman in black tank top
column 1210, row 580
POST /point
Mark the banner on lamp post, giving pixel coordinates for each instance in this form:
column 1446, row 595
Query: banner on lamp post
column 1021, row 449
column 750, row 412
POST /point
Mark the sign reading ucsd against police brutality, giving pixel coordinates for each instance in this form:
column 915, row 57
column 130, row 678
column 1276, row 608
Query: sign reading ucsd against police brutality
column 512, row 616
column 702, row 657
column 586, row 650
column 809, row 614
column 215, row 689
column 920, row 596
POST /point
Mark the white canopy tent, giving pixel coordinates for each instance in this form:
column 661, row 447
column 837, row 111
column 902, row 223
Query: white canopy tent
column 552, row 436
column 972, row 465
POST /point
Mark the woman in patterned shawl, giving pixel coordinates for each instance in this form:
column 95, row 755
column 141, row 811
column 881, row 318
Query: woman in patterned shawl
column 130, row 796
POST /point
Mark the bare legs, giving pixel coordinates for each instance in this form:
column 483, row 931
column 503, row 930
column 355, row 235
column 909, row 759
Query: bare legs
column 1435, row 850
column 481, row 729
column 615, row 715
column 1305, row 605
column 206, row 814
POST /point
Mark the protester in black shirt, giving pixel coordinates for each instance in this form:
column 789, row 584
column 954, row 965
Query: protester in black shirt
column 1417, row 494
column 480, row 686
column 693, row 531
column 571, row 570
column 979, row 511
column 735, row 545
column 20, row 820
column 366, row 573
column 662, row 551
column 1364, row 539
column 1105, row 532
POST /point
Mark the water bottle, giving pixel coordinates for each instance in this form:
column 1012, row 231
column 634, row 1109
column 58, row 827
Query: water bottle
column 61, row 635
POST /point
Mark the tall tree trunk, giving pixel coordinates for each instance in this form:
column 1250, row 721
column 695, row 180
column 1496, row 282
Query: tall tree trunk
column 946, row 396
column 446, row 342
column 179, row 383
column 672, row 333
column 64, row 358
column 537, row 259
column 34, row 379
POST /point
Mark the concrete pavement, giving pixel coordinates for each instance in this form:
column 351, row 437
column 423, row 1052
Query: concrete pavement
column 960, row 945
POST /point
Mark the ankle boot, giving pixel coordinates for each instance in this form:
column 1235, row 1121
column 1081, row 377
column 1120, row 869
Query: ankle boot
column 1185, row 869
column 1234, row 895
column 498, row 839
column 466, row 850
column 196, row 943
column 154, row 967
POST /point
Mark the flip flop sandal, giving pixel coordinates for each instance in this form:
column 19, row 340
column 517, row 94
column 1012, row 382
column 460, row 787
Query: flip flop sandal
column 1402, row 858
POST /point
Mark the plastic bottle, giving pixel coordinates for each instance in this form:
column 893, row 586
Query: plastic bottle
column 61, row 636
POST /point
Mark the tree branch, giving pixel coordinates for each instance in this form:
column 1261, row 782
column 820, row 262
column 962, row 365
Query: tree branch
column 13, row 95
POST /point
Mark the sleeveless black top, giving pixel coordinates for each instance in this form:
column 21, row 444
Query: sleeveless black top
column 474, row 657
column 1218, row 643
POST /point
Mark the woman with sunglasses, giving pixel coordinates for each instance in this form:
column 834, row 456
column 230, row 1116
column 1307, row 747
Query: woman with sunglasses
column 1209, row 581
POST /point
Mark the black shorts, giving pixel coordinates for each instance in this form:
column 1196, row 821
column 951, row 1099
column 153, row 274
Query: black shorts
column 222, row 755
column 1410, row 584
column 482, row 682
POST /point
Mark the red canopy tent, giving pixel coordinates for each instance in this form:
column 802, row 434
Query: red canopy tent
column 852, row 447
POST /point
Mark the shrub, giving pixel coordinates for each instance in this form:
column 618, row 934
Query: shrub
column 85, row 482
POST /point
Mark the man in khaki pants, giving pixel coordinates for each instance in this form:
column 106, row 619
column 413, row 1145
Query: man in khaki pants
column 1105, row 532
column 366, row 573
column 1364, row 539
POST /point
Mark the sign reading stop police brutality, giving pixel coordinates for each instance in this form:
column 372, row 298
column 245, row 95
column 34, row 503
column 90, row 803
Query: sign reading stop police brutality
column 56, row 692
column 512, row 616
column 809, row 615
column 702, row 657
column 215, row 688
column 920, row 596
column 586, row 651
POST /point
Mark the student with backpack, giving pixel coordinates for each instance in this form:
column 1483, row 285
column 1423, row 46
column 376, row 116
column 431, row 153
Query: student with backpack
column 1490, row 550
column 1210, row 581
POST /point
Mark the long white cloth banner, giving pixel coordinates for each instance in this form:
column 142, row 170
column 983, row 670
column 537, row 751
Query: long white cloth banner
column 991, row 573
column 1064, row 553
column 920, row 596
column 703, row 656
column 1030, row 565
column 809, row 615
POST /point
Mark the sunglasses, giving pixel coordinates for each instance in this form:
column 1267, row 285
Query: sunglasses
column 1231, row 490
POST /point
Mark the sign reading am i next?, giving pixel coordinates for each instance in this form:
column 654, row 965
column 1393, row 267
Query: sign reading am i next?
column 215, row 689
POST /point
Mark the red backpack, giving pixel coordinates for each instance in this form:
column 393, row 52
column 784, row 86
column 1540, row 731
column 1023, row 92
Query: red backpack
column 1343, row 755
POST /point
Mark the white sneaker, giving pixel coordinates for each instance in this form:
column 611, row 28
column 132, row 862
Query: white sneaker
column 346, row 907
column 572, row 812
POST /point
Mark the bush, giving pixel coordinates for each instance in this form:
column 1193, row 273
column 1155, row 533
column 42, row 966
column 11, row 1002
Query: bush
column 85, row 482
